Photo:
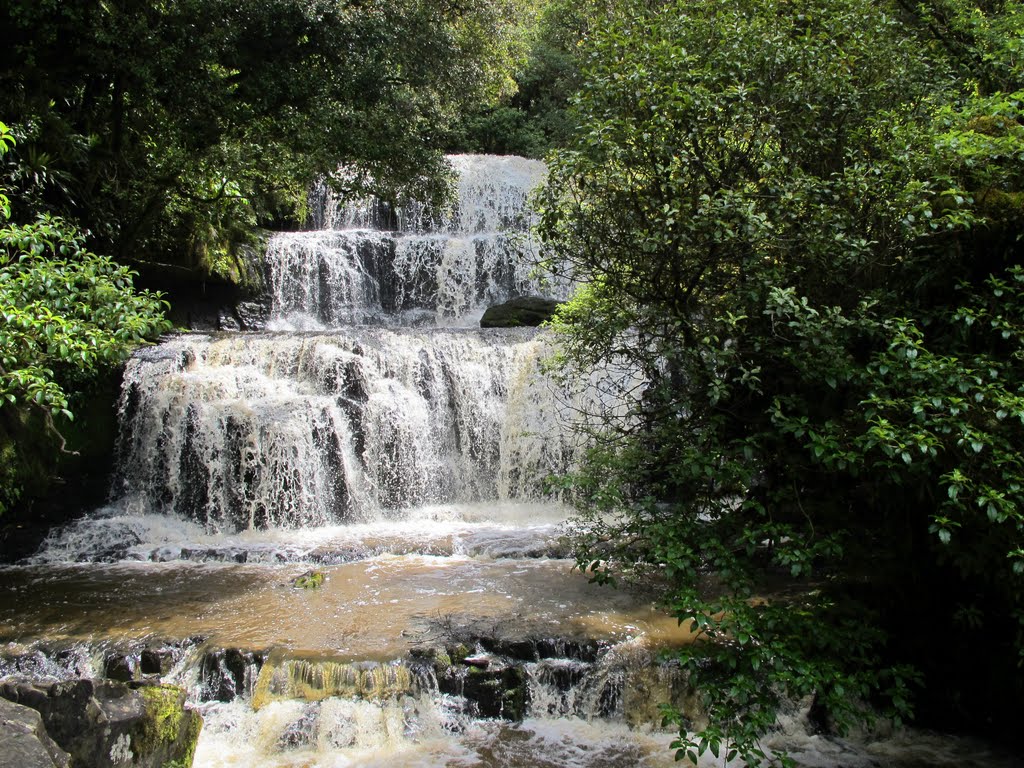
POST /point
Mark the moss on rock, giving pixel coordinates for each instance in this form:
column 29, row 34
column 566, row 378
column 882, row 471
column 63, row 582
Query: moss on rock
column 169, row 729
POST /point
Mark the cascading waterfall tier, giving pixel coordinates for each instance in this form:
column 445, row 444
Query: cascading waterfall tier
column 300, row 428
column 297, row 430
column 374, row 264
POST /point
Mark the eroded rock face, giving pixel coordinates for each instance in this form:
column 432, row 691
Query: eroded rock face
column 25, row 741
column 105, row 724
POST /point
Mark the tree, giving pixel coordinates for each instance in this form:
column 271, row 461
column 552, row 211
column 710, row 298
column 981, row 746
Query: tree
column 178, row 126
column 797, row 222
column 531, row 117
column 65, row 313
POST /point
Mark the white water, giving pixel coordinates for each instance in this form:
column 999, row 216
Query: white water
column 369, row 263
column 239, row 432
column 415, row 733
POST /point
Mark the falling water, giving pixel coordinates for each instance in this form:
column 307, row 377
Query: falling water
column 300, row 430
column 371, row 263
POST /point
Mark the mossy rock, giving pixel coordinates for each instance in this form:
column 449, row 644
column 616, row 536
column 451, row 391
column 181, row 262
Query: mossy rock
column 498, row 693
column 170, row 731
column 309, row 580
column 519, row 312
column 102, row 723
column 457, row 653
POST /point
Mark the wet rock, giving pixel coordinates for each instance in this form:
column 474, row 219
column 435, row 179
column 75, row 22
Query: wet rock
column 496, row 692
column 309, row 580
column 537, row 648
column 521, row 311
column 252, row 315
column 25, row 741
column 107, row 724
column 156, row 661
column 581, row 649
column 44, row 663
column 434, row 659
column 120, row 667
column 523, row 650
column 456, row 653
column 650, row 686
column 229, row 672
column 301, row 732
column 480, row 661
column 169, row 731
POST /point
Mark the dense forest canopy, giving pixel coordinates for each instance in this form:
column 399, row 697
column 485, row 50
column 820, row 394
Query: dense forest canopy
column 184, row 124
column 800, row 221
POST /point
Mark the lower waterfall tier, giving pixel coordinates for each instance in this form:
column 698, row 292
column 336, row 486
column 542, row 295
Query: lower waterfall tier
column 296, row 430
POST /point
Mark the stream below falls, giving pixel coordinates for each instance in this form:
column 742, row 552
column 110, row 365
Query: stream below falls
column 366, row 431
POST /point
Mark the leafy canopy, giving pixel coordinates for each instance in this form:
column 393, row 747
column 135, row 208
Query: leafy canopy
column 172, row 128
column 797, row 221
column 65, row 313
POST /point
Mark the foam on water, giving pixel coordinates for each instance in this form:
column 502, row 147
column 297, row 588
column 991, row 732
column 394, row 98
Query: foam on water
column 492, row 530
column 370, row 263
column 255, row 431
column 421, row 732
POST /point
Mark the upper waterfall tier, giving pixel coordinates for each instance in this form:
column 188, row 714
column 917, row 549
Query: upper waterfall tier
column 491, row 196
column 373, row 264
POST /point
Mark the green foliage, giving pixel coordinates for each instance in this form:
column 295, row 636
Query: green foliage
column 171, row 128
column 769, row 207
column 65, row 315
column 531, row 118
column 10, row 488
column 65, row 310
column 309, row 580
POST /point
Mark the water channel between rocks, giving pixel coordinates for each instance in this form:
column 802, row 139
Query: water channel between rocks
column 368, row 431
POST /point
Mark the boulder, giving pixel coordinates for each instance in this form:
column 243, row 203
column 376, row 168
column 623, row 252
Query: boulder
column 494, row 693
column 25, row 741
column 106, row 724
column 521, row 311
column 156, row 661
column 120, row 666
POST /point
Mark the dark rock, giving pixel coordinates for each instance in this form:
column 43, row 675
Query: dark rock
column 497, row 693
column 111, row 725
column 494, row 692
column 522, row 650
column 120, row 667
column 301, row 732
column 156, row 661
column 521, row 311
column 582, row 649
column 25, row 741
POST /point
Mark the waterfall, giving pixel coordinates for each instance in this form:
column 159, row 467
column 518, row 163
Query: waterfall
column 374, row 433
column 300, row 430
column 367, row 396
column 371, row 263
